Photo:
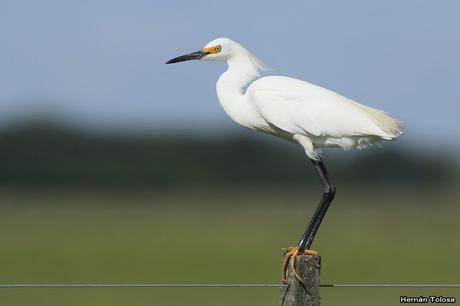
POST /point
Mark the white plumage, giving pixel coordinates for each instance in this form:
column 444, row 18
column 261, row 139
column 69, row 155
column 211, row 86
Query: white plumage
column 295, row 110
column 298, row 111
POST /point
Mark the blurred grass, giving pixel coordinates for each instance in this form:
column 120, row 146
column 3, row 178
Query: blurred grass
column 222, row 236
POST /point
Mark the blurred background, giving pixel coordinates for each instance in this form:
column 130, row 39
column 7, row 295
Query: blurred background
column 116, row 168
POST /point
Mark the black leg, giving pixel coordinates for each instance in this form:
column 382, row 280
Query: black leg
column 328, row 195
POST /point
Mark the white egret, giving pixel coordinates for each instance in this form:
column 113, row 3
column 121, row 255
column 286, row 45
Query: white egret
column 300, row 112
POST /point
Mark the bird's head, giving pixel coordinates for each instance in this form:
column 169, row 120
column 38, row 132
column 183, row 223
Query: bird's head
column 222, row 49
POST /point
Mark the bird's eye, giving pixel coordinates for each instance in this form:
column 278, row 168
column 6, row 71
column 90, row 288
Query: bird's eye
column 217, row 48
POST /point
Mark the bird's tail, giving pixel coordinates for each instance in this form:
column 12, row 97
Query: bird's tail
column 390, row 127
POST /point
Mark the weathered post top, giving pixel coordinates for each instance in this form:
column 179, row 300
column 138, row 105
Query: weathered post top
column 305, row 293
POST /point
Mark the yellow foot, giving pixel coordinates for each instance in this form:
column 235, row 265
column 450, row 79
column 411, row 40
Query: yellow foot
column 289, row 258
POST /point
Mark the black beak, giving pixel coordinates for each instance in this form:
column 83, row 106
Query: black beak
column 192, row 56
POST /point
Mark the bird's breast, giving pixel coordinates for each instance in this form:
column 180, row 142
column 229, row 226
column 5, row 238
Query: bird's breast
column 241, row 112
column 237, row 107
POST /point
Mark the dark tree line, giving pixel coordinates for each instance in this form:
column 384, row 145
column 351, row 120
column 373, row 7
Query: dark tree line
column 51, row 156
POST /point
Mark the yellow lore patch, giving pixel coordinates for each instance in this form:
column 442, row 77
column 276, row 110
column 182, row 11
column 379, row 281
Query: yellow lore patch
column 213, row 49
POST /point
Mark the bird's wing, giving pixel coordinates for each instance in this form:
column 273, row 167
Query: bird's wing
column 299, row 107
column 286, row 112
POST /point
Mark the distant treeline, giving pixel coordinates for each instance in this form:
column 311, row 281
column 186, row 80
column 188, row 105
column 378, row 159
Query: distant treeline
column 44, row 155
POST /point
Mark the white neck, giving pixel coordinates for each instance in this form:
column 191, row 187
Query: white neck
column 231, row 88
column 242, row 70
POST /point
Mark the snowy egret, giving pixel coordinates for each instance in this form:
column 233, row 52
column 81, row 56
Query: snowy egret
column 300, row 112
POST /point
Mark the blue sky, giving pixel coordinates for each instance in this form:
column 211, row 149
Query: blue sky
column 100, row 64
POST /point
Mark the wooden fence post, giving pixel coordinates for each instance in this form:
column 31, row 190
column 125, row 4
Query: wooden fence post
column 305, row 293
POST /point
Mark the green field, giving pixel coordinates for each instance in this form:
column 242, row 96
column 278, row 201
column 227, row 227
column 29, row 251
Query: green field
column 222, row 236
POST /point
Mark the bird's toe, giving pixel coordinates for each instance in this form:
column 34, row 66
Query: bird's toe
column 289, row 257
